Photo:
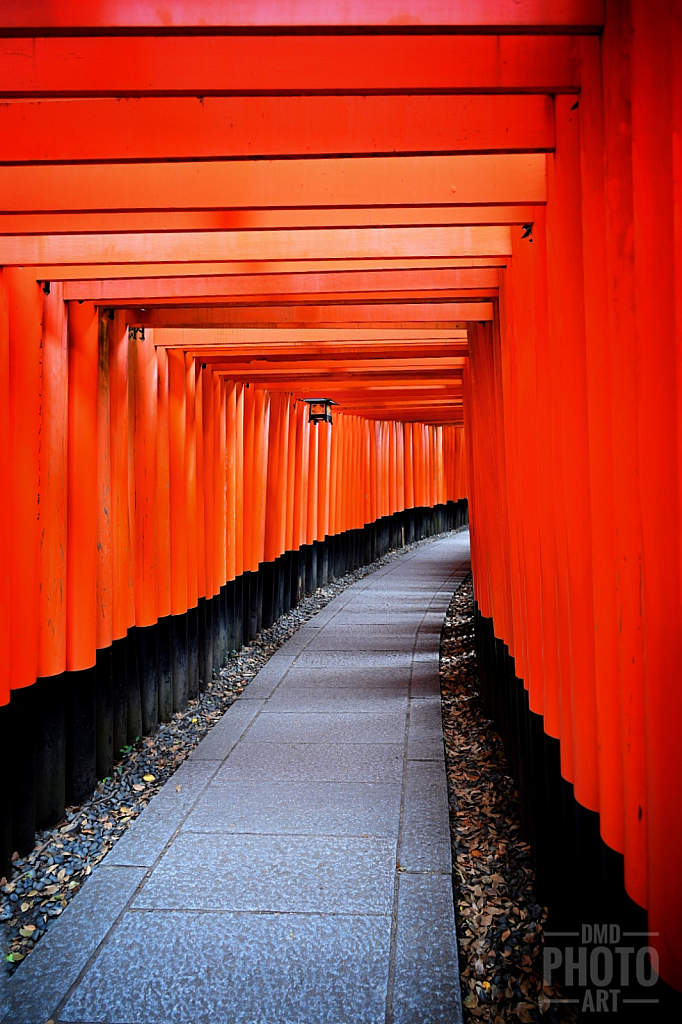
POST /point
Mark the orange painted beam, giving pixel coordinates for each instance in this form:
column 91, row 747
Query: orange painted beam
column 304, row 316
column 50, row 223
column 257, row 336
column 267, row 285
column 84, row 272
column 198, row 65
column 310, row 382
column 214, row 128
column 364, row 181
column 368, row 360
column 45, row 17
column 391, row 243
column 334, row 243
column 314, row 354
column 320, row 300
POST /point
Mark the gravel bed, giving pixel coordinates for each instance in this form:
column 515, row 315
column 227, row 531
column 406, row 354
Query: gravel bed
column 499, row 917
column 42, row 883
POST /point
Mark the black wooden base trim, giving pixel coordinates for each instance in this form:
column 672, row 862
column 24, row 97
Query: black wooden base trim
column 579, row 877
column 65, row 732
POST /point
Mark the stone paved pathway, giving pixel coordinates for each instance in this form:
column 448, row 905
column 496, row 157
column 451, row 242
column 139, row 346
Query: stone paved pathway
column 296, row 869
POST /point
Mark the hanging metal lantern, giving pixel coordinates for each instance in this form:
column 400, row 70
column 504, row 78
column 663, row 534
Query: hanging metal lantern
column 320, row 409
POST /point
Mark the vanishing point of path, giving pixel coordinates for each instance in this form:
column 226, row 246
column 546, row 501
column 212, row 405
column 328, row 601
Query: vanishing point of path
column 296, row 868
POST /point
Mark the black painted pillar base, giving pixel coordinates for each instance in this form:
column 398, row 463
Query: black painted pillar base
column 322, row 563
column 313, row 565
column 164, row 661
column 267, row 572
column 279, row 586
column 297, row 578
column 179, row 662
column 50, row 750
column 148, row 676
column 259, row 598
column 287, row 561
column 80, row 734
column 306, row 568
column 223, row 626
column 230, row 641
column 210, row 637
column 134, row 700
column 22, row 738
column 193, row 653
column 104, row 710
column 253, row 603
column 239, row 612
column 119, row 681
column 246, row 605
column 202, row 656
column 579, row 878
column 6, row 850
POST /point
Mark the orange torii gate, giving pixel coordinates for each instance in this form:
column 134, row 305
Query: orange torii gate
column 453, row 218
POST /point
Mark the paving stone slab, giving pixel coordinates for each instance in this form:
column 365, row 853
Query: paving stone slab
column 338, row 727
column 406, row 622
column 348, row 699
column 149, row 834
column 425, row 680
column 362, row 641
column 425, row 734
column 313, row 762
column 215, row 968
column 268, row 679
column 40, row 984
column 311, row 808
column 426, row 969
column 320, row 677
column 274, row 874
column 353, row 661
column 425, row 832
column 226, row 733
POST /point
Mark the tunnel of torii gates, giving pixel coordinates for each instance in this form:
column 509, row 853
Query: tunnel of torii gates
column 454, row 219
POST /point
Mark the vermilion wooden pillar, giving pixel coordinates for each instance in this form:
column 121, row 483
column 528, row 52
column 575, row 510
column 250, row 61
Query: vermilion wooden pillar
column 143, row 369
column 537, row 254
column 163, row 539
column 601, row 443
column 567, row 327
column 192, row 549
column 655, row 62
column 207, row 429
column 204, row 624
column 81, row 552
column 104, row 700
column 177, row 418
column 220, row 504
column 523, row 339
column 239, row 478
column 53, row 493
column 24, row 309
column 5, row 508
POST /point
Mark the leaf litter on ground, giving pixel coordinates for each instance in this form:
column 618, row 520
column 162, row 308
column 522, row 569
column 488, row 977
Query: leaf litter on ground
column 499, row 917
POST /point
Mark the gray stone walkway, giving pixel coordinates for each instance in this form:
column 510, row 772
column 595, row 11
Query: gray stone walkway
column 296, row 868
